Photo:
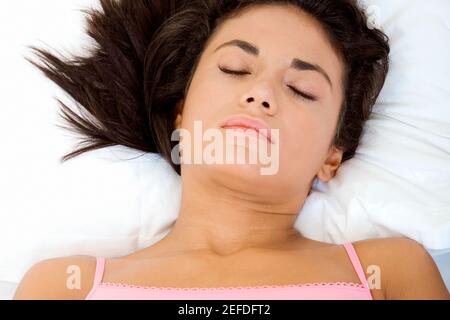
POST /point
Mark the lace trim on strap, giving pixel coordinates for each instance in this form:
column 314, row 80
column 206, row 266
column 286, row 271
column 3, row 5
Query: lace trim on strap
column 318, row 284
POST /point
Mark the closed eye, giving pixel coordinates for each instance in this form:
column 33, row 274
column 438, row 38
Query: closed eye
column 233, row 72
column 302, row 94
column 297, row 93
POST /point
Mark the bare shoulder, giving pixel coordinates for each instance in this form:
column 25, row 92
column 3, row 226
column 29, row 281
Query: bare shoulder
column 406, row 269
column 65, row 278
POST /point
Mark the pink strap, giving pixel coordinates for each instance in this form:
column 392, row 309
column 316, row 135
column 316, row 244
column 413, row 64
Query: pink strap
column 99, row 270
column 356, row 263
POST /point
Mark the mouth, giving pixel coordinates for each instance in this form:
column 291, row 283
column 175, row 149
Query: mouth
column 248, row 123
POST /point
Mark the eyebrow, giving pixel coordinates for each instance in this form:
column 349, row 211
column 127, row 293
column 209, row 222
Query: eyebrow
column 296, row 63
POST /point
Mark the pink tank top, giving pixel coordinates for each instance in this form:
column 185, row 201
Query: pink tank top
column 310, row 291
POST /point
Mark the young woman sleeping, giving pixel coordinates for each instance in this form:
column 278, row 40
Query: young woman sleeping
column 307, row 70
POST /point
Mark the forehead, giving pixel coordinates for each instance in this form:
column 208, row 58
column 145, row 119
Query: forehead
column 281, row 33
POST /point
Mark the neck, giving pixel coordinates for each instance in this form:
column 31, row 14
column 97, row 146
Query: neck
column 222, row 221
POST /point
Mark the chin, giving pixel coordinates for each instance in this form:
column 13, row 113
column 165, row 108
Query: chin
column 247, row 173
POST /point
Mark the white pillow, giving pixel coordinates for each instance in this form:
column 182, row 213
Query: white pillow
column 109, row 202
column 396, row 184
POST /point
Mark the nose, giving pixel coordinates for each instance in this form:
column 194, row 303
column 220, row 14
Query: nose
column 259, row 99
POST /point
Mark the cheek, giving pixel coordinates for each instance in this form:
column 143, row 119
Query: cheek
column 197, row 106
column 304, row 141
column 210, row 85
column 207, row 100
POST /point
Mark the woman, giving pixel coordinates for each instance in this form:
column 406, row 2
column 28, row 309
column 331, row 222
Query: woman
column 311, row 69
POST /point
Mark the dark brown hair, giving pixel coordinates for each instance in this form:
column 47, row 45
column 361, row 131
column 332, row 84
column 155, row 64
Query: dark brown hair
column 147, row 51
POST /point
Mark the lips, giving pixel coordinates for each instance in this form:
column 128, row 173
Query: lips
column 246, row 122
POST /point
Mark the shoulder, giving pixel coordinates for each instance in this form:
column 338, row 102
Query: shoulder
column 65, row 278
column 405, row 268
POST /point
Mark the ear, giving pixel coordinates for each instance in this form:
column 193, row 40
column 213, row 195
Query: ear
column 331, row 165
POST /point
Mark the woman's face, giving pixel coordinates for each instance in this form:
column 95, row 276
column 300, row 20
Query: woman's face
column 302, row 97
